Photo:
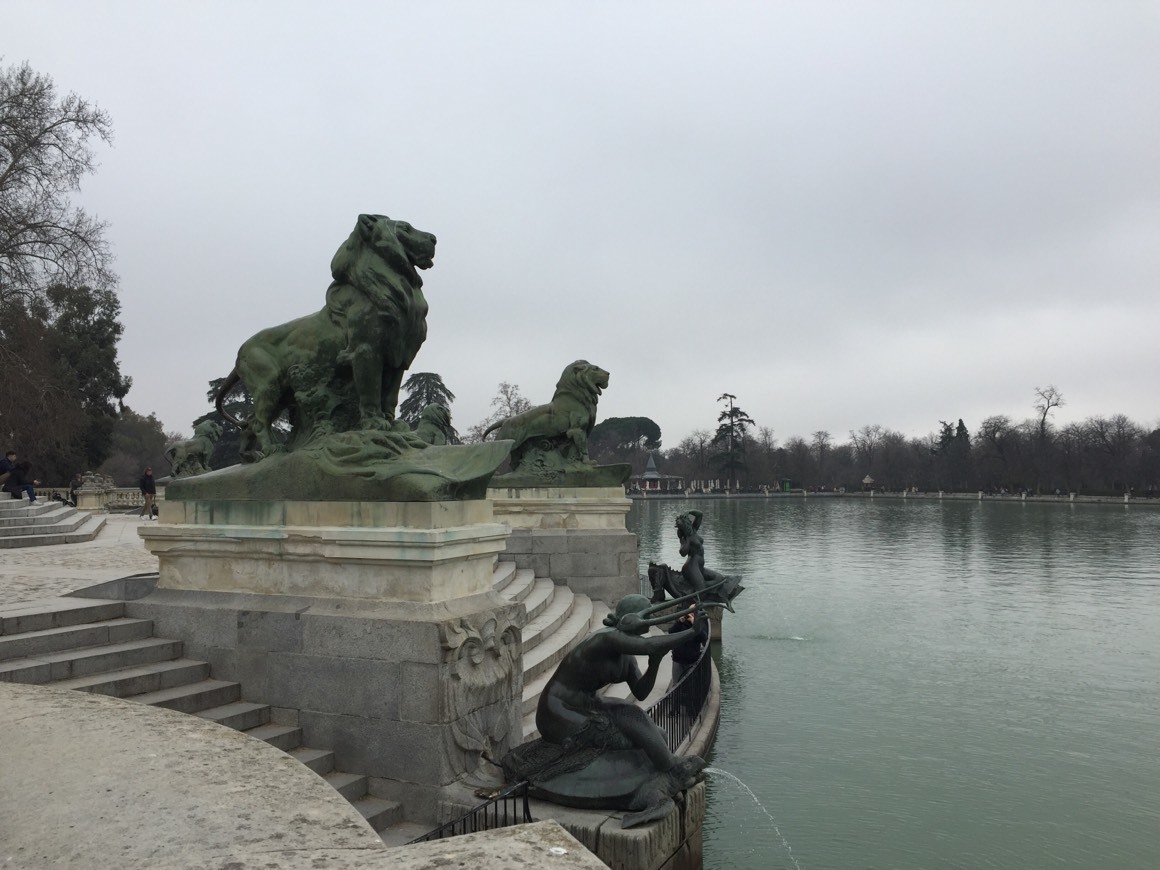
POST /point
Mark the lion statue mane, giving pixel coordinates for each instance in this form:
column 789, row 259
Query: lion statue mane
column 566, row 420
column 341, row 368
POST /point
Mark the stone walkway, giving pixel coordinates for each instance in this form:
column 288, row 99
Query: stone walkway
column 31, row 573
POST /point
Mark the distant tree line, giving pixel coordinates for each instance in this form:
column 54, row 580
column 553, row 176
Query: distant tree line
column 1101, row 455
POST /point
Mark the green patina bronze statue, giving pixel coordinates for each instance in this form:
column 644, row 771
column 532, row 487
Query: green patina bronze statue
column 602, row 752
column 551, row 441
column 710, row 587
column 336, row 375
column 190, row 457
column 435, row 425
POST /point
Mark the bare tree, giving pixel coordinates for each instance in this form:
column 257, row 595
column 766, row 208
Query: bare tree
column 44, row 155
column 1046, row 399
column 508, row 402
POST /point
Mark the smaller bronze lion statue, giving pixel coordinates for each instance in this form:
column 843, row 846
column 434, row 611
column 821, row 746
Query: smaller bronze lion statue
column 568, row 419
column 191, row 456
column 435, row 425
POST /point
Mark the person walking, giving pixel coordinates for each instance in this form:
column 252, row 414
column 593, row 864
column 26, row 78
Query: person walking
column 149, row 491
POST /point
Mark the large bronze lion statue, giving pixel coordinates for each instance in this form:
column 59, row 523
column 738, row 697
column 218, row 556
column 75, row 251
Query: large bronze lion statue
column 191, row 456
column 566, row 420
column 341, row 368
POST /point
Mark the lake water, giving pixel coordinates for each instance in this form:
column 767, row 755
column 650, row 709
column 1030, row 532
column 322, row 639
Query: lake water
column 912, row 684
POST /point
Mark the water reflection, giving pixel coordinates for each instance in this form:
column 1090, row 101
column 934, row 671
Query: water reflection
column 977, row 687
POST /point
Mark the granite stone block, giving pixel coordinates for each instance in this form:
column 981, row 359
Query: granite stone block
column 371, row 638
column 352, row 687
column 270, row 631
column 419, row 692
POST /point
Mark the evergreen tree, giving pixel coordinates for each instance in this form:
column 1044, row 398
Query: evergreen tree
column 729, row 439
column 423, row 389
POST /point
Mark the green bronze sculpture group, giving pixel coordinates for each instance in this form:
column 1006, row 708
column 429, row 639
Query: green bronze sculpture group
column 335, row 375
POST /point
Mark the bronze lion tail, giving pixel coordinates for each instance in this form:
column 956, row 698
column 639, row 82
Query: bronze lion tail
column 490, row 429
column 228, row 384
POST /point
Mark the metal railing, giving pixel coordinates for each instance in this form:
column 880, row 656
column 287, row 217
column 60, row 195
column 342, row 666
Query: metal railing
column 509, row 807
column 678, row 712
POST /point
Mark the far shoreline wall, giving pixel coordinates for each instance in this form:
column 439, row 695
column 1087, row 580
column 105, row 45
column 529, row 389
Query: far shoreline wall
column 912, row 496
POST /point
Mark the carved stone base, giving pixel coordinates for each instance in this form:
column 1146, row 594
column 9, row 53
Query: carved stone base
column 372, row 626
column 382, row 551
column 409, row 694
column 560, row 507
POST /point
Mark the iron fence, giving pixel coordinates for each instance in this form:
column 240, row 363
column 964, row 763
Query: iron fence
column 509, row 807
column 677, row 712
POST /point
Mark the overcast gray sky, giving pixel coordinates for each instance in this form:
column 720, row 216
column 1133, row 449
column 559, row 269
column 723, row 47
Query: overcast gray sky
column 844, row 213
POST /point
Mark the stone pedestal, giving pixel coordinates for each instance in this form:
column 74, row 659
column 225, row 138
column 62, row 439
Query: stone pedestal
column 373, row 626
column 376, row 551
column 574, row 535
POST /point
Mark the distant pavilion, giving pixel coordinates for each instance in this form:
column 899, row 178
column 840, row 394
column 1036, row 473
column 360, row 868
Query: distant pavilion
column 653, row 481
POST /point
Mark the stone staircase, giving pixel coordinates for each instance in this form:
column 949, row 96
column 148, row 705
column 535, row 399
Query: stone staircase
column 46, row 522
column 90, row 645
column 558, row 619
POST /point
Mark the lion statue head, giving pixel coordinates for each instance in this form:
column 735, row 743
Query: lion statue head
column 383, row 255
column 582, row 380
column 208, row 429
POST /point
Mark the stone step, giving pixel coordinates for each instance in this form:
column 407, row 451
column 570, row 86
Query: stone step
column 380, row 813
column 548, row 653
column 58, row 518
column 38, row 514
column 351, row 786
column 503, row 574
column 88, row 660
column 402, row 833
column 521, row 586
column 193, row 697
column 240, row 715
column 86, row 531
column 140, row 680
column 89, row 645
column 10, row 507
column 539, row 598
column 321, row 761
column 49, row 640
column 284, row 737
column 550, row 619
column 56, row 613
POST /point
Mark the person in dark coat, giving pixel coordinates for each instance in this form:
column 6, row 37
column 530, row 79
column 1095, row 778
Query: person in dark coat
column 74, row 485
column 6, row 466
column 686, row 655
column 20, row 481
column 149, row 491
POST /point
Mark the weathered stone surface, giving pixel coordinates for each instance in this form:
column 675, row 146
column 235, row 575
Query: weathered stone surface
column 538, row 506
column 434, row 552
column 538, row 845
column 143, row 787
column 600, row 563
